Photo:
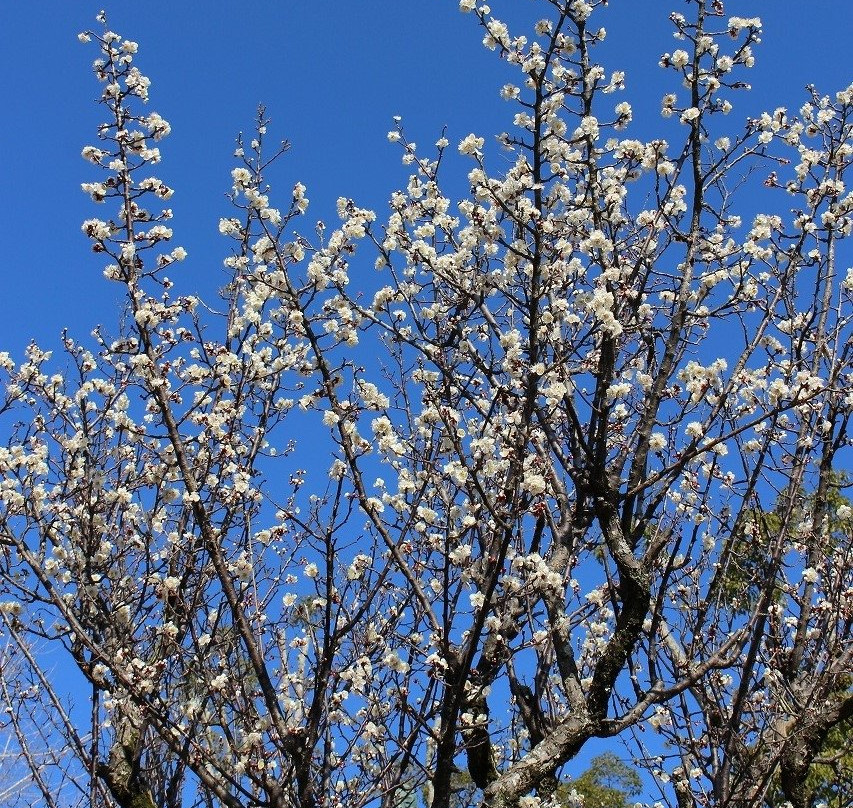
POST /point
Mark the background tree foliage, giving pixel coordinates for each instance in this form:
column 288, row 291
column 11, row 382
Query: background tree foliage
column 830, row 778
column 607, row 783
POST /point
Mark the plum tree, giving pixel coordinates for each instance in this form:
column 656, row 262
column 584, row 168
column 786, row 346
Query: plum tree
column 326, row 543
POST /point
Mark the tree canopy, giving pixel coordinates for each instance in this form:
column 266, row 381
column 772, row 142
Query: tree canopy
column 566, row 467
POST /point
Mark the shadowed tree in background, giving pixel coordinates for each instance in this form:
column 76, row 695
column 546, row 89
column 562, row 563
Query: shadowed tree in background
column 608, row 783
column 780, row 719
column 418, row 538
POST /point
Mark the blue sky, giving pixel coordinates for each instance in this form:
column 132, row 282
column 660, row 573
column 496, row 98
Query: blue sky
column 332, row 75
